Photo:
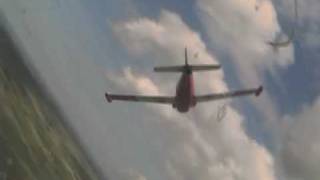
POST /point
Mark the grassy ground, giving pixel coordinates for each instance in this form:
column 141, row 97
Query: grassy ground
column 34, row 144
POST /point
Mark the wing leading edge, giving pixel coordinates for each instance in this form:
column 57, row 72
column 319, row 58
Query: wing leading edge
column 210, row 97
column 133, row 98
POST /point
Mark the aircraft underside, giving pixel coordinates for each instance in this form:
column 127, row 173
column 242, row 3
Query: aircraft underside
column 185, row 97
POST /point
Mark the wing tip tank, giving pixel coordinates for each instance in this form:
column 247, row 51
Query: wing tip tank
column 109, row 99
column 259, row 91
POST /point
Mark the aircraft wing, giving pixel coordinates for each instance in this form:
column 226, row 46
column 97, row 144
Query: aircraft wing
column 149, row 99
column 210, row 97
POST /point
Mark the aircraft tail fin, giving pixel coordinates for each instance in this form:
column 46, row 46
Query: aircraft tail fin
column 186, row 56
column 183, row 68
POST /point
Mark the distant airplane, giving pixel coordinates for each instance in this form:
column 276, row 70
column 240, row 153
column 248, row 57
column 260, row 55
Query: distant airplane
column 185, row 97
column 276, row 44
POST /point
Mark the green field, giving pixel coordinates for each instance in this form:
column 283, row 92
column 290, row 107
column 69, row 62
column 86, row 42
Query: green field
column 34, row 143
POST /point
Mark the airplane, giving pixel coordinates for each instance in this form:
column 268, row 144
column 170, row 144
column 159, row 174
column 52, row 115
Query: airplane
column 276, row 44
column 185, row 97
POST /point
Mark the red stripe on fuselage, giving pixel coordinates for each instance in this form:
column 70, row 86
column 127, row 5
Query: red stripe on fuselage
column 185, row 93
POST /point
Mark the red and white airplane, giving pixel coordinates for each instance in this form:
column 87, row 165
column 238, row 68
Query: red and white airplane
column 185, row 97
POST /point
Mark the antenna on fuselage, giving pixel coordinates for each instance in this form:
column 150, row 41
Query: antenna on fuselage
column 186, row 56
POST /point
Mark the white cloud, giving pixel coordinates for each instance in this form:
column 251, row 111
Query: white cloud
column 197, row 147
column 237, row 29
column 299, row 154
column 164, row 41
column 243, row 31
column 307, row 24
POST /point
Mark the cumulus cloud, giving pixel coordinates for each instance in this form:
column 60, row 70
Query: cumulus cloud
column 193, row 146
column 164, row 42
column 236, row 28
column 299, row 154
column 239, row 31
column 307, row 24
column 243, row 31
column 307, row 32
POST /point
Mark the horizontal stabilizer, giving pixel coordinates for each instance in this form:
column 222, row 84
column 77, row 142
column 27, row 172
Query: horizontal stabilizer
column 183, row 68
column 169, row 69
column 204, row 67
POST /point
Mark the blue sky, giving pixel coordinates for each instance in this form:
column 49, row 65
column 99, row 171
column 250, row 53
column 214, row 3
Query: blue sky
column 83, row 48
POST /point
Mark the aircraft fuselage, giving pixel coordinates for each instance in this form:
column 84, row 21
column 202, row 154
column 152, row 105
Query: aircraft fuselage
column 184, row 98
